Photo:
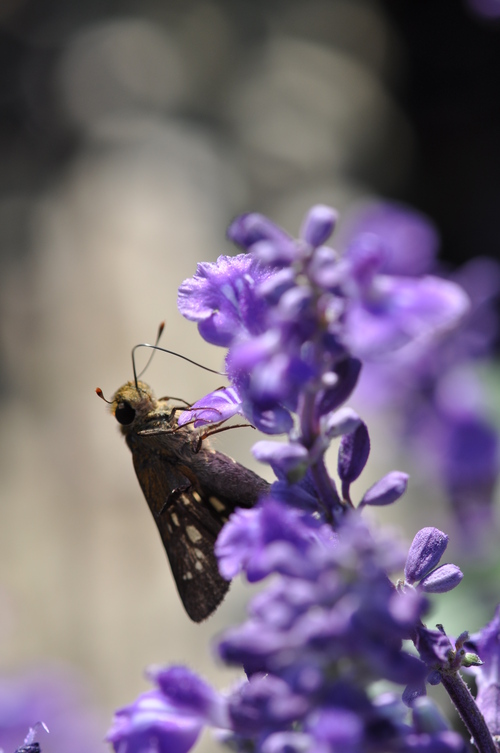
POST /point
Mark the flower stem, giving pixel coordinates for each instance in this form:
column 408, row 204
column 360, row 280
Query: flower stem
column 469, row 712
column 327, row 493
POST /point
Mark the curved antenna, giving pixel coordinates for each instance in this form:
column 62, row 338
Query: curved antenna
column 158, row 335
column 100, row 394
column 172, row 353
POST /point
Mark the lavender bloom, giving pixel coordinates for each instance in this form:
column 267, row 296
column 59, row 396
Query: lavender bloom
column 430, row 381
column 295, row 317
column 315, row 639
column 296, row 320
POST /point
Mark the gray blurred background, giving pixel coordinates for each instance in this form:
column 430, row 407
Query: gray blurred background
column 130, row 135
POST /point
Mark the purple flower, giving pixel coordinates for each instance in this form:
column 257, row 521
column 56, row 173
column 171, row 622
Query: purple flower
column 353, row 454
column 215, row 407
column 387, row 490
column 426, row 550
column 339, row 626
column 395, row 312
column 295, row 318
column 409, row 239
column 222, row 298
column 265, row 702
column 270, row 538
column 151, row 723
column 429, row 380
column 170, row 718
column 55, row 699
column 318, row 225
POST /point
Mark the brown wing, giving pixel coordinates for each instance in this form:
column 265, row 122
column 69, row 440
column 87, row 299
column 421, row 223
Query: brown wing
column 189, row 524
column 189, row 532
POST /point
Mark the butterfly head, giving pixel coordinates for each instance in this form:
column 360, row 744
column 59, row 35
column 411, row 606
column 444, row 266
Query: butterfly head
column 131, row 402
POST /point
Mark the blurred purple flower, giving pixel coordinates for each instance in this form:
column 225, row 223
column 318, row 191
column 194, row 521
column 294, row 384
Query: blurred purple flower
column 168, row 719
column 55, row 697
column 409, row 240
column 429, row 382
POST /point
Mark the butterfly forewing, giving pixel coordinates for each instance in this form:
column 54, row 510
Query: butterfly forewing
column 191, row 490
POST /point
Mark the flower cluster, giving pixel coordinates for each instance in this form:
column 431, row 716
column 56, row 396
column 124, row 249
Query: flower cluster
column 298, row 320
column 431, row 384
column 316, row 639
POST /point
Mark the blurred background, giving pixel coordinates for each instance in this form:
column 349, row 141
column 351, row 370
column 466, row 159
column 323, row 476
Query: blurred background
column 130, row 135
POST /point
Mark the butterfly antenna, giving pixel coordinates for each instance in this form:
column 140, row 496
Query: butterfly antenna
column 170, row 352
column 100, row 394
column 154, row 347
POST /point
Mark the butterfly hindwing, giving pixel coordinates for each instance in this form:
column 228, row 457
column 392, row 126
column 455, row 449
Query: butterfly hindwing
column 190, row 539
column 189, row 523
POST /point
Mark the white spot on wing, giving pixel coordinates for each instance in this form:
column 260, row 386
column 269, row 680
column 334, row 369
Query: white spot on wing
column 175, row 519
column 217, row 504
column 193, row 534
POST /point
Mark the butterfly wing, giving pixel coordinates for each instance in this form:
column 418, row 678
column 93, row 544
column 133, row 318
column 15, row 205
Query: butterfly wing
column 188, row 522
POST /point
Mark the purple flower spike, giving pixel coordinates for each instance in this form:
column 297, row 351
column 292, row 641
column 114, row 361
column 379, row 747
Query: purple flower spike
column 318, row 225
column 151, row 723
column 386, row 491
column 426, row 550
column 353, row 454
column 442, row 579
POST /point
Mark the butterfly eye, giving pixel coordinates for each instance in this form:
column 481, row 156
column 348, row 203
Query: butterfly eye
column 124, row 413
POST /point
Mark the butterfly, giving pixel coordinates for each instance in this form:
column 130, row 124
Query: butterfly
column 191, row 490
